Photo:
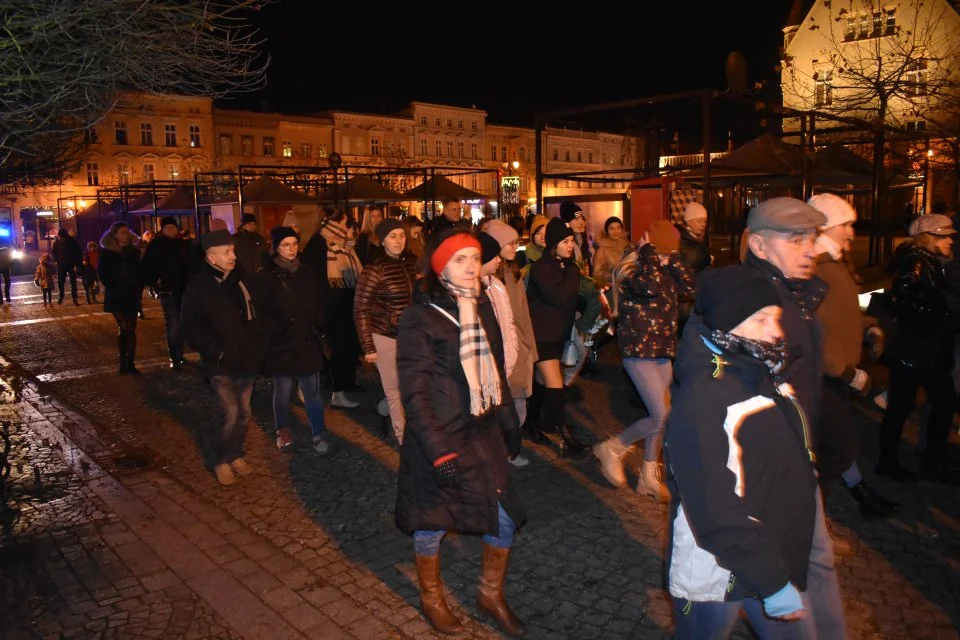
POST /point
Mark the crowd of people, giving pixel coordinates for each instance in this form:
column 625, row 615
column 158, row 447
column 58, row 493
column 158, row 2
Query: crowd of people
column 748, row 373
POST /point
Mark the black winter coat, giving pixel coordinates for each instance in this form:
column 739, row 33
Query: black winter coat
column 250, row 249
column 384, row 290
column 918, row 298
column 291, row 307
column 552, row 291
column 436, row 400
column 167, row 264
column 67, row 253
column 119, row 271
column 314, row 254
column 220, row 325
column 694, row 252
column 801, row 331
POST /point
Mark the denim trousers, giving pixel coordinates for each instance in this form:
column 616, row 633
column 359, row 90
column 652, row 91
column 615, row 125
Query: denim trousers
column 171, row 319
column 283, row 387
column 715, row 621
column 652, row 378
column 427, row 543
column 234, row 393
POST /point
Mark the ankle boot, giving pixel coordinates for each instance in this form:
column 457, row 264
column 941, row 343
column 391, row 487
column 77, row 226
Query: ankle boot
column 432, row 603
column 650, row 482
column 531, row 427
column 490, row 601
column 570, row 447
column 610, row 454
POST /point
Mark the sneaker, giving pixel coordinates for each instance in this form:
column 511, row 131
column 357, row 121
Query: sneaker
column 240, row 467
column 224, row 473
column 341, row 401
column 323, row 446
column 519, row 461
column 284, row 439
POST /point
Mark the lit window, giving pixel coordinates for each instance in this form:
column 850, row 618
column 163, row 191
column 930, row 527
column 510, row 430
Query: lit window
column 460, row 149
column 174, row 172
column 374, row 146
column 917, row 79
column 403, row 148
column 170, row 135
column 146, row 134
column 890, row 22
column 120, row 132
column 473, row 150
column 423, row 146
column 93, row 174
column 194, row 135
column 863, row 26
column 823, row 89
column 268, row 145
column 226, row 144
column 148, row 172
column 123, row 173
column 322, row 151
column 306, row 150
column 850, row 28
column 246, row 145
column 287, row 149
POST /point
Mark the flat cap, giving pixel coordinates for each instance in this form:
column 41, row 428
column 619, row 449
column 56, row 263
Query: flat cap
column 935, row 224
column 786, row 215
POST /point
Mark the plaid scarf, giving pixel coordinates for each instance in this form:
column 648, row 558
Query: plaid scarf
column 477, row 360
column 343, row 265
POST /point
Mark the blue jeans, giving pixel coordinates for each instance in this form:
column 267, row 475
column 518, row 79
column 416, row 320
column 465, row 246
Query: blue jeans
column 427, row 543
column 234, row 393
column 823, row 589
column 170, row 304
column 283, row 387
column 715, row 621
column 651, row 377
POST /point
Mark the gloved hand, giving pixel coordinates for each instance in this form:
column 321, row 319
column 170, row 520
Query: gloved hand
column 512, row 439
column 875, row 342
column 783, row 602
column 447, row 471
column 860, row 382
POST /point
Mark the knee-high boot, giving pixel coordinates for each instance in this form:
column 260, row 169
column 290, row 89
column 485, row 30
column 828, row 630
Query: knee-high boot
column 534, row 414
column 432, row 602
column 490, row 600
column 556, row 410
column 132, row 352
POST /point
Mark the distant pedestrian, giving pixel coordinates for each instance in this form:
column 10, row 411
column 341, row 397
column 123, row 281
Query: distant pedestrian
column 452, row 216
column 43, row 278
column 219, row 319
column 88, row 273
column 120, row 275
column 145, row 239
column 6, row 260
column 68, row 255
column 251, row 247
column 368, row 246
column 413, row 227
column 167, row 266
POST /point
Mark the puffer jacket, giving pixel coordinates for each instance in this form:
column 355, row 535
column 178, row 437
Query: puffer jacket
column 925, row 326
column 608, row 255
column 648, row 304
column 436, row 401
column 120, row 274
column 384, row 290
column 552, row 292
column 738, row 454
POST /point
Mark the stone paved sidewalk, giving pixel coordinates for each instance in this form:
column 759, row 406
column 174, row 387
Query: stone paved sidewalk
column 307, row 545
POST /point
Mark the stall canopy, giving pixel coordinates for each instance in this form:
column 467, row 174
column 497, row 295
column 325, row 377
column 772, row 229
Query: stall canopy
column 267, row 191
column 361, row 189
column 178, row 202
column 439, row 188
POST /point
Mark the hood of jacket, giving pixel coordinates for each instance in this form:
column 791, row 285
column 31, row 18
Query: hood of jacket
column 109, row 242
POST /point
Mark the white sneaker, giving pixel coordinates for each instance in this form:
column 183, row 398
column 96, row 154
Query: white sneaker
column 519, row 461
column 341, row 401
column 881, row 400
column 383, row 408
column 322, row 446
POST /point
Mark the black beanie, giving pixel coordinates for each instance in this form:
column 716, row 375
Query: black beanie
column 557, row 230
column 386, row 227
column 728, row 296
column 489, row 247
column 279, row 234
column 165, row 220
column 569, row 210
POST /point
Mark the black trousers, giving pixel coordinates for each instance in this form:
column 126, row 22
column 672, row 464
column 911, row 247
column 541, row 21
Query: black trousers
column 5, row 277
column 901, row 399
column 837, row 445
column 62, row 275
column 342, row 339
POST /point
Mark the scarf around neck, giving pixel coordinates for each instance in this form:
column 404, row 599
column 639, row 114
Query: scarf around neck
column 476, row 358
column 500, row 299
column 774, row 355
column 289, row 265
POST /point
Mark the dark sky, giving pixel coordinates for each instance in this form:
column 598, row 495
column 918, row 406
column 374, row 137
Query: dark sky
column 512, row 59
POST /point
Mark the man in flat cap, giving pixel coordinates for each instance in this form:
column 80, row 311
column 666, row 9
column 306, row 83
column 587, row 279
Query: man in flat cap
column 219, row 320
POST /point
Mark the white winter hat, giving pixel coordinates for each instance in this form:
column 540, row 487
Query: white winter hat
column 694, row 211
column 837, row 210
column 290, row 219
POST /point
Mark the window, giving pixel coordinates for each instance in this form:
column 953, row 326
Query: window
column 226, row 144
column 436, row 122
column 449, row 123
column 194, row 135
column 522, row 155
column 459, row 124
column 246, row 145
column 449, row 149
column 146, row 134
column 439, row 148
column 473, row 125
column 890, row 22
column 402, row 149
column 503, row 154
column 917, row 79
column 174, row 171
column 916, row 125
column 579, row 156
column 459, row 149
column 590, row 157
column 603, row 158
column 374, row 146
column 556, row 154
column 287, row 149
column 148, row 172
column 123, row 173
column 473, row 150
column 423, row 146
column 268, row 145
column 860, row 26
column 306, row 149
column 170, row 135
column 824, row 90
column 863, row 26
column 90, row 135
column 423, row 121
column 120, row 132
column 93, row 174
column 566, row 155
column 493, row 153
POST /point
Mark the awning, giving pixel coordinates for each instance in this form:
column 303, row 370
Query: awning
column 361, row 189
column 439, row 188
column 266, row 191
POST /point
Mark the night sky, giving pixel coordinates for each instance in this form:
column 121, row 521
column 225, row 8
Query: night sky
column 512, row 59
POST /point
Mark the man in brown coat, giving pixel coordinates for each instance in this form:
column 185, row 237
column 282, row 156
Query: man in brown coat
column 845, row 331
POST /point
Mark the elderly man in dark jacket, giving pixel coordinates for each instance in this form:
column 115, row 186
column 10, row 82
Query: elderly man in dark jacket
column 219, row 319
column 68, row 255
column 167, row 264
column 251, row 247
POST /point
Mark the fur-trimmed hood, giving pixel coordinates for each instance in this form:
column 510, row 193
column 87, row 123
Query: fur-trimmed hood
column 108, row 241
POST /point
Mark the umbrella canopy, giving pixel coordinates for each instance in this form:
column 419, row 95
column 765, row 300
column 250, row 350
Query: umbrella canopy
column 361, row 189
column 177, row 202
column 266, row 190
column 439, row 188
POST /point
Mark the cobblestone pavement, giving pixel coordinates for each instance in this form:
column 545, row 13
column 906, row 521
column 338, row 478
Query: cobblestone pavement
column 123, row 532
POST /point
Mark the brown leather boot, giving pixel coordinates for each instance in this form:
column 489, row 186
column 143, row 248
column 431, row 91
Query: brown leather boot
column 490, row 600
column 432, row 603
